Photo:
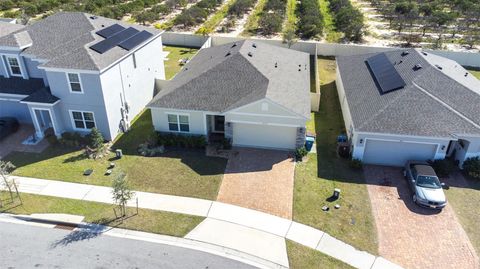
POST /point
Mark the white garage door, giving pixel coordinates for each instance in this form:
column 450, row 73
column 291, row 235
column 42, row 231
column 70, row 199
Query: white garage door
column 396, row 153
column 264, row 136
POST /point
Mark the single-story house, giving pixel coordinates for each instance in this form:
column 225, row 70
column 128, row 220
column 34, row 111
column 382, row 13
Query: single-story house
column 408, row 105
column 253, row 93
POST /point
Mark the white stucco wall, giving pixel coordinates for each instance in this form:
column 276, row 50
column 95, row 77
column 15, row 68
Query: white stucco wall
column 197, row 120
column 347, row 116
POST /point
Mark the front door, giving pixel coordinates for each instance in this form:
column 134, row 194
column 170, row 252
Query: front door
column 44, row 120
column 219, row 124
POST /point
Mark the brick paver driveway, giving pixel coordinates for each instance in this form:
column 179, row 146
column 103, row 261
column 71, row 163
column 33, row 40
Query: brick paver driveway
column 14, row 141
column 411, row 236
column 259, row 179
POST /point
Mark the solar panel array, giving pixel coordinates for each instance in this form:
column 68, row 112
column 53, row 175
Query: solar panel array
column 385, row 73
column 117, row 35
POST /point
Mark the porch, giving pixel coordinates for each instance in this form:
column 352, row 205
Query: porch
column 15, row 142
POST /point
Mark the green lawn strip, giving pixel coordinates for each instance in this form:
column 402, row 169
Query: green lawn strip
column 212, row 22
column 176, row 172
column 329, row 27
column 316, row 179
column 251, row 25
column 151, row 221
column 304, row 257
column 172, row 65
column 476, row 73
column 465, row 209
column 326, row 70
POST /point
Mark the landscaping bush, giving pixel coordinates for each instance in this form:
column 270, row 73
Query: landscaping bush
column 197, row 13
column 443, row 168
column 72, row 139
column 348, row 19
column 472, row 167
column 356, row 164
column 240, row 7
column 182, row 141
column 95, row 139
column 300, row 153
column 270, row 23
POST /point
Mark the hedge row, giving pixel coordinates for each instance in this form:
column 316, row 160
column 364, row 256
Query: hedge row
column 196, row 14
column 272, row 16
column 310, row 19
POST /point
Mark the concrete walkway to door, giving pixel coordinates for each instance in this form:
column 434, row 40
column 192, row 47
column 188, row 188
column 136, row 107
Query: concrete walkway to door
column 259, row 179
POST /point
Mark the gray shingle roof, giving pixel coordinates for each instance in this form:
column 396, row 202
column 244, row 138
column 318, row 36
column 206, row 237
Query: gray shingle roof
column 411, row 110
column 7, row 28
column 17, row 85
column 43, row 96
column 225, row 77
column 64, row 38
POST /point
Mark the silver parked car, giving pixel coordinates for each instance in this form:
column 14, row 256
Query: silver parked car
column 423, row 181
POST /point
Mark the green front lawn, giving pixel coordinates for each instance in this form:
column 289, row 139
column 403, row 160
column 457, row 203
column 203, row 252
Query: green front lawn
column 304, row 257
column 316, row 179
column 147, row 220
column 177, row 172
column 465, row 200
column 172, row 65
column 476, row 73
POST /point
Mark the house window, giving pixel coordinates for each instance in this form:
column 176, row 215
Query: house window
column 74, row 81
column 83, row 120
column 178, row 123
column 14, row 66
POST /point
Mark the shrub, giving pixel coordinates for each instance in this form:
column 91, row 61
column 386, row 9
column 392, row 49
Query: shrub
column 443, row 168
column 240, row 7
column 300, row 153
column 95, row 139
column 472, row 167
column 311, row 20
column 72, row 139
column 356, row 164
column 270, row 23
column 182, row 141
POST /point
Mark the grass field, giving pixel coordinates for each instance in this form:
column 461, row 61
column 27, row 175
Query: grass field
column 316, row 179
column 182, row 172
column 476, row 73
column 146, row 220
column 172, row 65
column 301, row 257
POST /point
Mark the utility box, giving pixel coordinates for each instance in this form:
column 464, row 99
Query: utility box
column 118, row 153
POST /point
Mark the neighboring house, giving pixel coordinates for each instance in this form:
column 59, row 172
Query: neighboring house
column 253, row 93
column 408, row 105
column 60, row 73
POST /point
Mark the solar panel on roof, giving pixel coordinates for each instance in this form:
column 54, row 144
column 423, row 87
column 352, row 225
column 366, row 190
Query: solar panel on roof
column 110, row 30
column 109, row 43
column 385, row 73
column 135, row 40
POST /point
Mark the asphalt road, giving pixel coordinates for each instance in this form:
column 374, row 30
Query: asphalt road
column 23, row 246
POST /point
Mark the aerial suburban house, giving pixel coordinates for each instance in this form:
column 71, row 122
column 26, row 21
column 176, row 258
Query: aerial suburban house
column 408, row 105
column 74, row 71
column 253, row 93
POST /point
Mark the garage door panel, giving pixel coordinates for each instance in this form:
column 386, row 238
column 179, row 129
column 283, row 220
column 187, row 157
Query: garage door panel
column 264, row 136
column 396, row 153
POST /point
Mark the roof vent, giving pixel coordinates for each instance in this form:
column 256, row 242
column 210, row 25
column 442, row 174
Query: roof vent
column 228, row 54
column 234, row 45
column 417, row 67
column 438, row 66
column 93, row 17
column 424, row 53
column 405, row 53
column 276, row 65
column 466, row 74
column 250, row 54
column 254, row 45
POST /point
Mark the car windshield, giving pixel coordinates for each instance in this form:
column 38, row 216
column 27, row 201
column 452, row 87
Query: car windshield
column 428, row 182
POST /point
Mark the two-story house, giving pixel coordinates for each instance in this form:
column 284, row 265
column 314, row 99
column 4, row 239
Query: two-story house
column 74, row 71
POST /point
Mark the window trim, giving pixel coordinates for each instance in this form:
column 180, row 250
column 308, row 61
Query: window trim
column 177, row 115
column 10, row 67
column 83, row 119
column 70, row 83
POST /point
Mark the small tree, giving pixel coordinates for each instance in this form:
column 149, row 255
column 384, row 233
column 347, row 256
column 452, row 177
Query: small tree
column 121, row 193
column 95, row 139
column 289, row 36
column 5, row 169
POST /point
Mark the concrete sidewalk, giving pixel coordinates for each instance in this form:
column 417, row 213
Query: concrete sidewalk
column 246, row 230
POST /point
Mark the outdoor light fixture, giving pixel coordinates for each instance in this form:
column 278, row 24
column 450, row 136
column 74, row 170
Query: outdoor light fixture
column 443, row 147
column 361, row 141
